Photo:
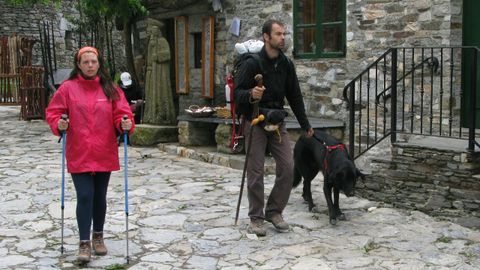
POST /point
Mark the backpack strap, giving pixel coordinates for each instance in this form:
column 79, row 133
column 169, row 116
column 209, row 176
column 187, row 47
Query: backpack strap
column 259, row 61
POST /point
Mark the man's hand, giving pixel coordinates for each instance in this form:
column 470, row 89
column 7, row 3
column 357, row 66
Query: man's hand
column 126, row 124
column 257, row 92
column 309, row 133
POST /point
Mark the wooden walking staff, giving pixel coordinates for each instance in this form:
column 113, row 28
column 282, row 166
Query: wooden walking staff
column 256, row 118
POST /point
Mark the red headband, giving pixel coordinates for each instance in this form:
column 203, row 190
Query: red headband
column 86, row 49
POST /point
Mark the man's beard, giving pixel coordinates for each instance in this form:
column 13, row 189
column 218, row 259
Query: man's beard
column 278, row 46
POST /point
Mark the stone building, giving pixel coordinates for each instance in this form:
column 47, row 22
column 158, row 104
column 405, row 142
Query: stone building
column 358, row 33
column 24, row 21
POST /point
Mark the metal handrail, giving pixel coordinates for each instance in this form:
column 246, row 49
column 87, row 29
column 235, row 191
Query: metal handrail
column 433, row 62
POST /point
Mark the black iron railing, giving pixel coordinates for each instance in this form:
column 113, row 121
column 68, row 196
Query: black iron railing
column 426, row 91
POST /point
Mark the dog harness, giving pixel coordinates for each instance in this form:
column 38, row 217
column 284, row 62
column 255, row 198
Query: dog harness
column 330, row 149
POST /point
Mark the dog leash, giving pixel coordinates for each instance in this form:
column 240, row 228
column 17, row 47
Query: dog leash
column 318, row 139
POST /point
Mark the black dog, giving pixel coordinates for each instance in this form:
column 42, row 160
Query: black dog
column 324, row 153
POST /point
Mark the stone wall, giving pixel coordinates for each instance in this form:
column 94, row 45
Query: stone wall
column 372, row 27
column 429, row 176
column 23, row 21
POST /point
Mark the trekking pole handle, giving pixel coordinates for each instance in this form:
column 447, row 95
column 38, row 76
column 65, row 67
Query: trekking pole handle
column 125, row 117
column 64, row 118
column 63, row 132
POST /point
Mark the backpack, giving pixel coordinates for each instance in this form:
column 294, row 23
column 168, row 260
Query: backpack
column 237, row 138
column 245, row 50
column 241, row 59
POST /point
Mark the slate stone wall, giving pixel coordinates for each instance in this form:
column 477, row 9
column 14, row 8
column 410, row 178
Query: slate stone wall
column 437, row 181
column 372, row 27
column 24, row 20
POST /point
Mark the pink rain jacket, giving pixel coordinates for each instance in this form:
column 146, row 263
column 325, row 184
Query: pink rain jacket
column 94, row 124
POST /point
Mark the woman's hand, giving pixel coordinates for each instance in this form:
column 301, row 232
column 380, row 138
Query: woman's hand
column 62, row 124
column 126, row 124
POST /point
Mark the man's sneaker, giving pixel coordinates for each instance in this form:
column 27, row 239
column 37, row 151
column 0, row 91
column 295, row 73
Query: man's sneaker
column 278, row 222
column 256, row 227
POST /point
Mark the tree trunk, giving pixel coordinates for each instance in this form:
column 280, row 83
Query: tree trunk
column 127, row 32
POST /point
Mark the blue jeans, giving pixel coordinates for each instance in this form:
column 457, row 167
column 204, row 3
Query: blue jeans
column 91, row 191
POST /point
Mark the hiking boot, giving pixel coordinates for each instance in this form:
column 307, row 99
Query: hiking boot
column 97, row 244
column 256, row 227
column 278, row 222
column 84, row 251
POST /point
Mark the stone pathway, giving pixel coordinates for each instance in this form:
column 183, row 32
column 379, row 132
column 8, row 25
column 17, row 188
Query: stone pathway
column 182, row 213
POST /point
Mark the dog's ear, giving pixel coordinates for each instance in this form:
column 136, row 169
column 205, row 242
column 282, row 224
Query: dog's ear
column 360, row 174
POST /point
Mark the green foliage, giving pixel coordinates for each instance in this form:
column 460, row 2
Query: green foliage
column 123, row 9
column 370, row 246
column 182, row 207
column 444, row 239
column 31, row 2
column 56, row 3
column 98, row 9
column 115, row 266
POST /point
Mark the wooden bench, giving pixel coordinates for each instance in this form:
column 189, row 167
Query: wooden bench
column 203, row 131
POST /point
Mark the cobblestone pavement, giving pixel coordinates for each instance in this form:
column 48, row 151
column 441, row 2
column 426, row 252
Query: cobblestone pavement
column 182, row 213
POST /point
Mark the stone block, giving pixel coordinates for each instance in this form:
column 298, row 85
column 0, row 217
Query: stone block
column 464, row 194
column 196, row 133
column 223, row 135
column 146, row 135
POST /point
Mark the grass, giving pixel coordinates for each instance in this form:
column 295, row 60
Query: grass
column 370, row 246
column 444, row 239
column 182, row 207
column 115, row 266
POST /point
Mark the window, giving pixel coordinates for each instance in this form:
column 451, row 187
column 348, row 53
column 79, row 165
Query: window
column 319, row 28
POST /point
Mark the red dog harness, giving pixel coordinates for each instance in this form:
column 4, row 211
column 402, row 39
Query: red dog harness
column 330, row 149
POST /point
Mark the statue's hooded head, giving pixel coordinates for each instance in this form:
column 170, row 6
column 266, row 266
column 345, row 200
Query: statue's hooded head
column 154, row 26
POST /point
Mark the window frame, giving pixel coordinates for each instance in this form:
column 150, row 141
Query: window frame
column 319, row 26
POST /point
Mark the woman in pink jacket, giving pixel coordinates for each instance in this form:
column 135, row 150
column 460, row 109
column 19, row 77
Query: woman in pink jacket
column 95, row 108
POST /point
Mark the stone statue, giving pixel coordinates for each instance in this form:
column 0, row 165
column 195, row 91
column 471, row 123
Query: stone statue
column 159, row 107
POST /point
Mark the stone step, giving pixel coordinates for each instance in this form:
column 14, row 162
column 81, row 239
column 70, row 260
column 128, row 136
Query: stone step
column 210, row 154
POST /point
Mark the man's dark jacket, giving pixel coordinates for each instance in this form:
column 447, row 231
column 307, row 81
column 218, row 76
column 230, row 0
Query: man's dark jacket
column 280, row 81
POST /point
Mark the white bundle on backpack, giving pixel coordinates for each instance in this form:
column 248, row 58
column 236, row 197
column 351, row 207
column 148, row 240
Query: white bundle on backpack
column 249, row 46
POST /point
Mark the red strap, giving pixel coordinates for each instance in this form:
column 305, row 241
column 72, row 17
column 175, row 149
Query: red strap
column 331, row 148
column 335, row 147
column 230, row 85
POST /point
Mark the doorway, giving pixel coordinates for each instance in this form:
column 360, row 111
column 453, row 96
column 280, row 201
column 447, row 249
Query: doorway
column 471, row 37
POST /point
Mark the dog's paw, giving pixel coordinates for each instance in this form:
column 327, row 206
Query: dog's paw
column 341, row 216
column 333, row 221
column 314, row 209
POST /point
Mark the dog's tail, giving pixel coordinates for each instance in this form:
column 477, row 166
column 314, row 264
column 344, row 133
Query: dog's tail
column 297, row 177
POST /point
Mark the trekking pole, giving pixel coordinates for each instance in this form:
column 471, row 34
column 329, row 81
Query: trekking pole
column 125, row 172
column 256, row 118
column 62, row 204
